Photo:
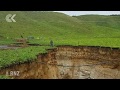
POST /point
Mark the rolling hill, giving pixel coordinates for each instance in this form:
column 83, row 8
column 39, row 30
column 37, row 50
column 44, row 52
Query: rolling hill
column 63, row 29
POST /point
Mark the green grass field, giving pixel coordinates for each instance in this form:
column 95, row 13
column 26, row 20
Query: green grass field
column 9, row 57
column 58, row 27
column 88, row 30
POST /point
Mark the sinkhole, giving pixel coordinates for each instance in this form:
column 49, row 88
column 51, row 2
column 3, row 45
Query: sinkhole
column 70, row 62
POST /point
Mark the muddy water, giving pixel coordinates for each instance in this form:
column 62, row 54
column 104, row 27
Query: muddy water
column 68, row 62
column 5, row 47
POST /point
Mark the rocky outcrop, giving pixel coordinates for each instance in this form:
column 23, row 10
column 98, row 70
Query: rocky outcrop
column 71, row 62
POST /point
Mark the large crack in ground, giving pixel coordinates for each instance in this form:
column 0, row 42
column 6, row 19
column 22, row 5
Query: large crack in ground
column 71, row 62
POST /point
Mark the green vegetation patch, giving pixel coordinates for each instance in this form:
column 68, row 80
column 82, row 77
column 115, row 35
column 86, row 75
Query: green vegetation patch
column 9, row 57
column 4, row 77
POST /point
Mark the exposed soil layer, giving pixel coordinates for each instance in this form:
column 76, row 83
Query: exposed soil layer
column 71, row 62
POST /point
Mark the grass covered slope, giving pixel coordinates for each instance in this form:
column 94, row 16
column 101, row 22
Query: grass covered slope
column 40, row 24
column 106, row 26
column 61, row 28
column 9, row 57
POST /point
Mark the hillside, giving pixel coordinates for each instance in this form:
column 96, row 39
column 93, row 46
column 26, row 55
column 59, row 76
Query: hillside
column 61, row 28
column 110, row 25
column 40, row 24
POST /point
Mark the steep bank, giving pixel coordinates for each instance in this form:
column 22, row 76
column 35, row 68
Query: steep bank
column 71, row 62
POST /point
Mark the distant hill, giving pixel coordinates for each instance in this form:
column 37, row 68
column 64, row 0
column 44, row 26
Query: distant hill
column 102, row 20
